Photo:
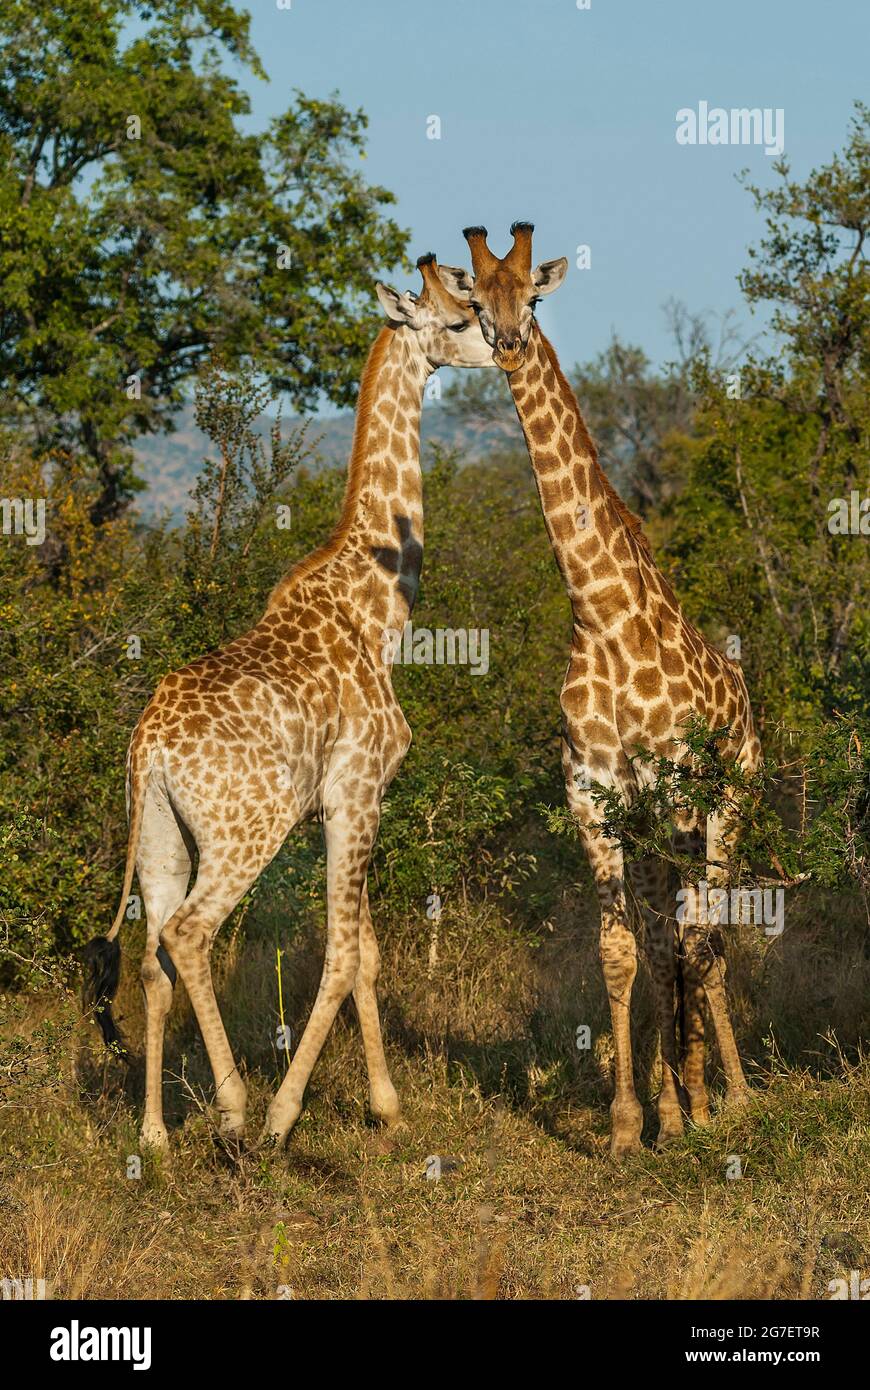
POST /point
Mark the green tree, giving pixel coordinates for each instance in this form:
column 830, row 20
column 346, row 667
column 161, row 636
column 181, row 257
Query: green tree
column 751, row 548
column 141, row 228
column 641, row 417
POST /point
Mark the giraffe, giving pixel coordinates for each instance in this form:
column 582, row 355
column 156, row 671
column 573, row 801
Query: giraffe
column 296, row 717
column 638, row 670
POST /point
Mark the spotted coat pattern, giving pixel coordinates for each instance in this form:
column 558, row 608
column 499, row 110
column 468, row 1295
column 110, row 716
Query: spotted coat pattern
column 638, row 670
column 295, row 718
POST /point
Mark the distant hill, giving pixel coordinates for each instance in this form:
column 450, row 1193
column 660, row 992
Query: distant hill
column 169, row 463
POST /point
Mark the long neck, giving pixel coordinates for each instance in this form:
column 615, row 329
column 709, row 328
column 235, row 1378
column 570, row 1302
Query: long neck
column 597, row 542
column 373, row 558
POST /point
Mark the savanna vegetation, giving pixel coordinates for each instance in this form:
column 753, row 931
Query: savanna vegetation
column 125, row 288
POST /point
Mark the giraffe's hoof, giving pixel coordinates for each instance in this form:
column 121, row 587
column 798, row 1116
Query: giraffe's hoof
column 697, row 1104
column 386, row 1111
column 626, row 1123
column 671, row 1128
column 279, row 1124
column 621, row 1145
column 736, row 1098
column 232, row 1137
column 386, row 1132
column 232, row 1123
column 270, row 1143
column 154, row 1137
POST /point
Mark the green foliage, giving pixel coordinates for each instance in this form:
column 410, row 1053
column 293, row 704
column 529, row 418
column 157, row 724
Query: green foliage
column 812, row 264
column 435, row 826
column 642, row 420
column 91, row 621
column 140, row 256
column 748, row 542
column 829, row 841
column 456, row 818
column 834, row 804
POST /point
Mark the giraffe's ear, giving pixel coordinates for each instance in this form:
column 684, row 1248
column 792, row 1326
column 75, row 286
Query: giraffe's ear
column 459, row 282
column 399, row 308
column 549, row 275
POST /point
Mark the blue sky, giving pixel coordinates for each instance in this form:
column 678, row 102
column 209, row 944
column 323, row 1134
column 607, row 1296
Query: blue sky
column 567, row 117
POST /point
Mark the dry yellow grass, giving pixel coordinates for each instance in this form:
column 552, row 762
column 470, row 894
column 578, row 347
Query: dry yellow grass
column 528, row 1205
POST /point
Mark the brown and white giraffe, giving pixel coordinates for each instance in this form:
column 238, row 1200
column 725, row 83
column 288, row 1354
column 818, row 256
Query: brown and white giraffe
column 638, row 671
column 297, row 717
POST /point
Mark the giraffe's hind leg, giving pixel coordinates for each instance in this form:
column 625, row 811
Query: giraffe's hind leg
column 650, row 881
column 689, row 844
column 163, row 864
column 224, row 876
column 188, row 937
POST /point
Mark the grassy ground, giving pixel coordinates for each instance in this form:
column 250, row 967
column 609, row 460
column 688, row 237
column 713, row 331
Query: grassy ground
column 481, row 1038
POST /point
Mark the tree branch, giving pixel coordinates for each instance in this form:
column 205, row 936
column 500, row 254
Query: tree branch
column 760, row 544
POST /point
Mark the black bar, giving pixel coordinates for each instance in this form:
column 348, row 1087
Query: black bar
column 647, row 1338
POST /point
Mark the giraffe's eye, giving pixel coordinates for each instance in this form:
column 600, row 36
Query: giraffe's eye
column 457, row 327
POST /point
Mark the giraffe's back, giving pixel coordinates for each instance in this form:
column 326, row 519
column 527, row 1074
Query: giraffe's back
column 241, row 730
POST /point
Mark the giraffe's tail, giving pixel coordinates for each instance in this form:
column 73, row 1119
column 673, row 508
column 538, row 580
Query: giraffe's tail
column 102, row 955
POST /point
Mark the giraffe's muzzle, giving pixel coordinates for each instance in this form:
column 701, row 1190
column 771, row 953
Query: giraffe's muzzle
column 510, row 353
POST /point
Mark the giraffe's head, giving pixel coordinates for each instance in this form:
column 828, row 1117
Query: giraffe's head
column 503, row 293
column 447, row 329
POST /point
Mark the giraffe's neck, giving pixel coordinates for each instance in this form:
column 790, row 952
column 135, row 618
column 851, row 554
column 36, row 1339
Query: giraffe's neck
column 372, row 561
column 598, row 545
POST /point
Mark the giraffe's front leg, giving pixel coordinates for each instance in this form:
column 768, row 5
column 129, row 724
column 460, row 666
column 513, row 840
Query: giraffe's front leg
column 383, row 1099
column 694, row 1052
column 618, row 952
column 689, row 842
column 649, row 880
column 617, row 947
column 349, row 838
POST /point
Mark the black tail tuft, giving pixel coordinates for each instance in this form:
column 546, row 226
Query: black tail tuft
column 102, row 963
